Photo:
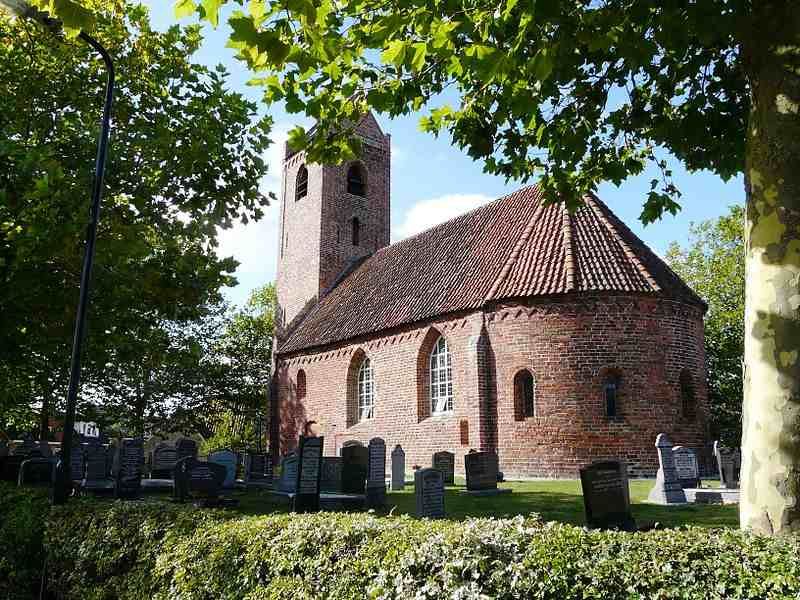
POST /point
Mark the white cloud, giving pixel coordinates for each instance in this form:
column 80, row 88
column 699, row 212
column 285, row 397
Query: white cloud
column 427, row 213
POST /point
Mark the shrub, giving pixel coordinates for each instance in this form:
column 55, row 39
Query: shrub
column 162, row 551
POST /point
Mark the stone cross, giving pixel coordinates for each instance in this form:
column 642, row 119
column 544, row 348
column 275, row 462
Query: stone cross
column 398, row 468
column 229, row 460
column 429, row 493
column 446, row 462
column 668, row 489
column 606, row 497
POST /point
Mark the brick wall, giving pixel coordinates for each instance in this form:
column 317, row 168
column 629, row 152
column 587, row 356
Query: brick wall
column 568, row 344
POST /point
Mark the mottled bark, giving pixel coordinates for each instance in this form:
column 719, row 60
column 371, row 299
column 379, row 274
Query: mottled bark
column 770, row 495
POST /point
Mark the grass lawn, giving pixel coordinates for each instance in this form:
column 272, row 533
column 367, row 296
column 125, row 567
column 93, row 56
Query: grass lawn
column 554, row 500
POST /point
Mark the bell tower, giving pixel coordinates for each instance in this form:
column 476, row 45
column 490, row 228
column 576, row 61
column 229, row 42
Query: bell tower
column 331, row 216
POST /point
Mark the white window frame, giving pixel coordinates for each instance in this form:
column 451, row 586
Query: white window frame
column 441, row 378
column 365, row 383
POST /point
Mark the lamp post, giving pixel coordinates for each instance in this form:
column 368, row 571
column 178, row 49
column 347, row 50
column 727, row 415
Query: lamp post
column 63, row 483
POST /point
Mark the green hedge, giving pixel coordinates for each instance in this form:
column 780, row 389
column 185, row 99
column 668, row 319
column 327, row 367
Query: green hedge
column 141, row 550
column 23, row 513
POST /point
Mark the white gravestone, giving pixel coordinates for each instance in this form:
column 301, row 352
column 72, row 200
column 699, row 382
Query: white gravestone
column 429, row 493
column 667, row 489
column 398, row 468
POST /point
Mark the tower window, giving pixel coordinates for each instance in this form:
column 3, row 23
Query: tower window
column 356, row 231
column 301, row 186
column 301, row 384
column 611, row 394
column 355, row 180
column 524, row 395
column 688, row 400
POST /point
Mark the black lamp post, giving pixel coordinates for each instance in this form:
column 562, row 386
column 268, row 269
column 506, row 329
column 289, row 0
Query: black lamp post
column 62, row 486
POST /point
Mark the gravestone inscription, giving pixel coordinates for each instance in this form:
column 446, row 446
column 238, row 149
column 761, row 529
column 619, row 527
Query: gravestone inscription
column 128, row 467
column 331, row 479
column 729, row 464
column 96, row 471
column 77, row 460
column 306, row 498
column 446, row 462
column 195, row 480
column 667, row 489
column 288, row 479
column 398, row 468
column 429, row 493
column 687, row 466
column 258, row 469
column 606, row 497
column 481, row 469
column 229, row 460
column 355, row 466
column 164, row 458
column 376, row 481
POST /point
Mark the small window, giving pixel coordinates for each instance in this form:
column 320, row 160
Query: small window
column 366, row 391
column 441, row 378
column 301, row 384
column 524, row 395
column 301, row 187
column 355, row 180
column 688, row 399
column 356, row 231
column 611, row 395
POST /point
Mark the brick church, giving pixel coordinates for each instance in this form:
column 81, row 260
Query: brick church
column 554, row 339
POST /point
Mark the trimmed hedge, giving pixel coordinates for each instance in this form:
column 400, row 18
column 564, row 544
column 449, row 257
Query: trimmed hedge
column 23, row 513
column 140, row 550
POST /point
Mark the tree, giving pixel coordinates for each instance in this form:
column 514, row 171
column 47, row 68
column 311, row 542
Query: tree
column 184, row 161
column 578, row 92
column 713, row 265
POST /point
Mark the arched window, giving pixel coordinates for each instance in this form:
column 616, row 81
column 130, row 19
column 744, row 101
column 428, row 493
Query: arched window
column 301, row 384
column 366, row 391
column 441, row 378
column 611, row 385
column 524, row 395
column 355, row 180
column 356, row 231
column 688, row 400
column 301, row 186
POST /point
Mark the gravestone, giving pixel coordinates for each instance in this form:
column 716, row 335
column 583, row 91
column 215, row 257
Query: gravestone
column 376, row 480
column 429, row 493
column 25, row 447
column 258, row 469
column 331, row 479
column 398, row 468
column 36, row 471
column 687, row 466
column 355, row 461
column 481, row 469
column 199, row 481
column 3, row 448
column 44, row 449
column 606, row 497
column 96, row 472
column 77, row 462
column 164, row 458
column 309, row 471
column 128, row 467
column 446, row 462
column 229, row 460
column 668, row 489
column 111, row 456
column 729, row 464
column 288, row 480
column 185, row 447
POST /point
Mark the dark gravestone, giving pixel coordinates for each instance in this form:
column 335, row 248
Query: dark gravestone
column 288, row 480
column 429, row 493
column 164, row 458
column 3, row 448
column 729, row 464
column 197, row 481
column 77, row 462
column 606, row 497
column 186, row 448
column 667, row 489
column 398, row 468
column 481, row 469
column 687, row 466
column 258, row 469
column 309, row 471
column 26, row 447
column 128, row 466
column 355, row 461
column 229, row 460
column 331, row 480
column 96, row 473
column 446, row 463
column 36, row 471
column 376, row 478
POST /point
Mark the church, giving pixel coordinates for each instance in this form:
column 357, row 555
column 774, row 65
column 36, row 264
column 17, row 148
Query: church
column 553, row 339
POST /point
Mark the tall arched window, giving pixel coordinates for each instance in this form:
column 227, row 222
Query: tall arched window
column 441, row 378
column 301, row 384
column 611, row 385
column 301, row 185
column 355, row 180
column 688, row 400
column 366, row 391
column 356, row 231
column 524, row 395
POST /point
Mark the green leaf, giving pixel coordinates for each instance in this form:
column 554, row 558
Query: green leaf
column 419, row 52
column 211, row 8
column 542, row 64
column 395, row 53
column 184, row 8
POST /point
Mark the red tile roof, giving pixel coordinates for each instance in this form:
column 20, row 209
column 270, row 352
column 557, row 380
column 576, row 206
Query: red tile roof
column 510, row 248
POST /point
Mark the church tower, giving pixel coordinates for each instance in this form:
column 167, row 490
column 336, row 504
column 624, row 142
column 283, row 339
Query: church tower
column 330, row 218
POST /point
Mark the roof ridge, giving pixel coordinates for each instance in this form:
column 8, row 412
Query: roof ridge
column 569, row 259
column 595, row 205
column 515, row 252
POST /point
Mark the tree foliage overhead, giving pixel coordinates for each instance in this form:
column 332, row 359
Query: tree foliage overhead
column 713, row 265
column 185, row 160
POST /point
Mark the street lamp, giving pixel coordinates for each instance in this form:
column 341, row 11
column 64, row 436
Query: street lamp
column 63, row 483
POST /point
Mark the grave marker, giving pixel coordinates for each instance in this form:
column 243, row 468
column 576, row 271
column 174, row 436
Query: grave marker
column 164, row 458
column 687, row 466
column 186, row 447
column 77, row 461
column 482, row 470
column 355, row 467
column 331, row 479
column 195, row 480
column 376, row 482
column 446, row 462
column 309, row 471
column 606, row 497
column 668, row 489
column 96, row 472
column 36, row 471
column 288, row 480
column 229, row 460
column 258, row 469
column 398, row 468
column 128, row 467
column 729, row 464
column 429, row 493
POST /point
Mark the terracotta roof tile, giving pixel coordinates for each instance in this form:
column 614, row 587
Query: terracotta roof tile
column 513, row 247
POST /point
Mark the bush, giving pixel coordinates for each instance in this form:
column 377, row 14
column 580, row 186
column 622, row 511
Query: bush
column 162, row 551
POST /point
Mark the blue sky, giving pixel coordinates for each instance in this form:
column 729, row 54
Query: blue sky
column 432, row 181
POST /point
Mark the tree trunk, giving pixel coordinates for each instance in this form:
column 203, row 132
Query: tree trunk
column 770, row 492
